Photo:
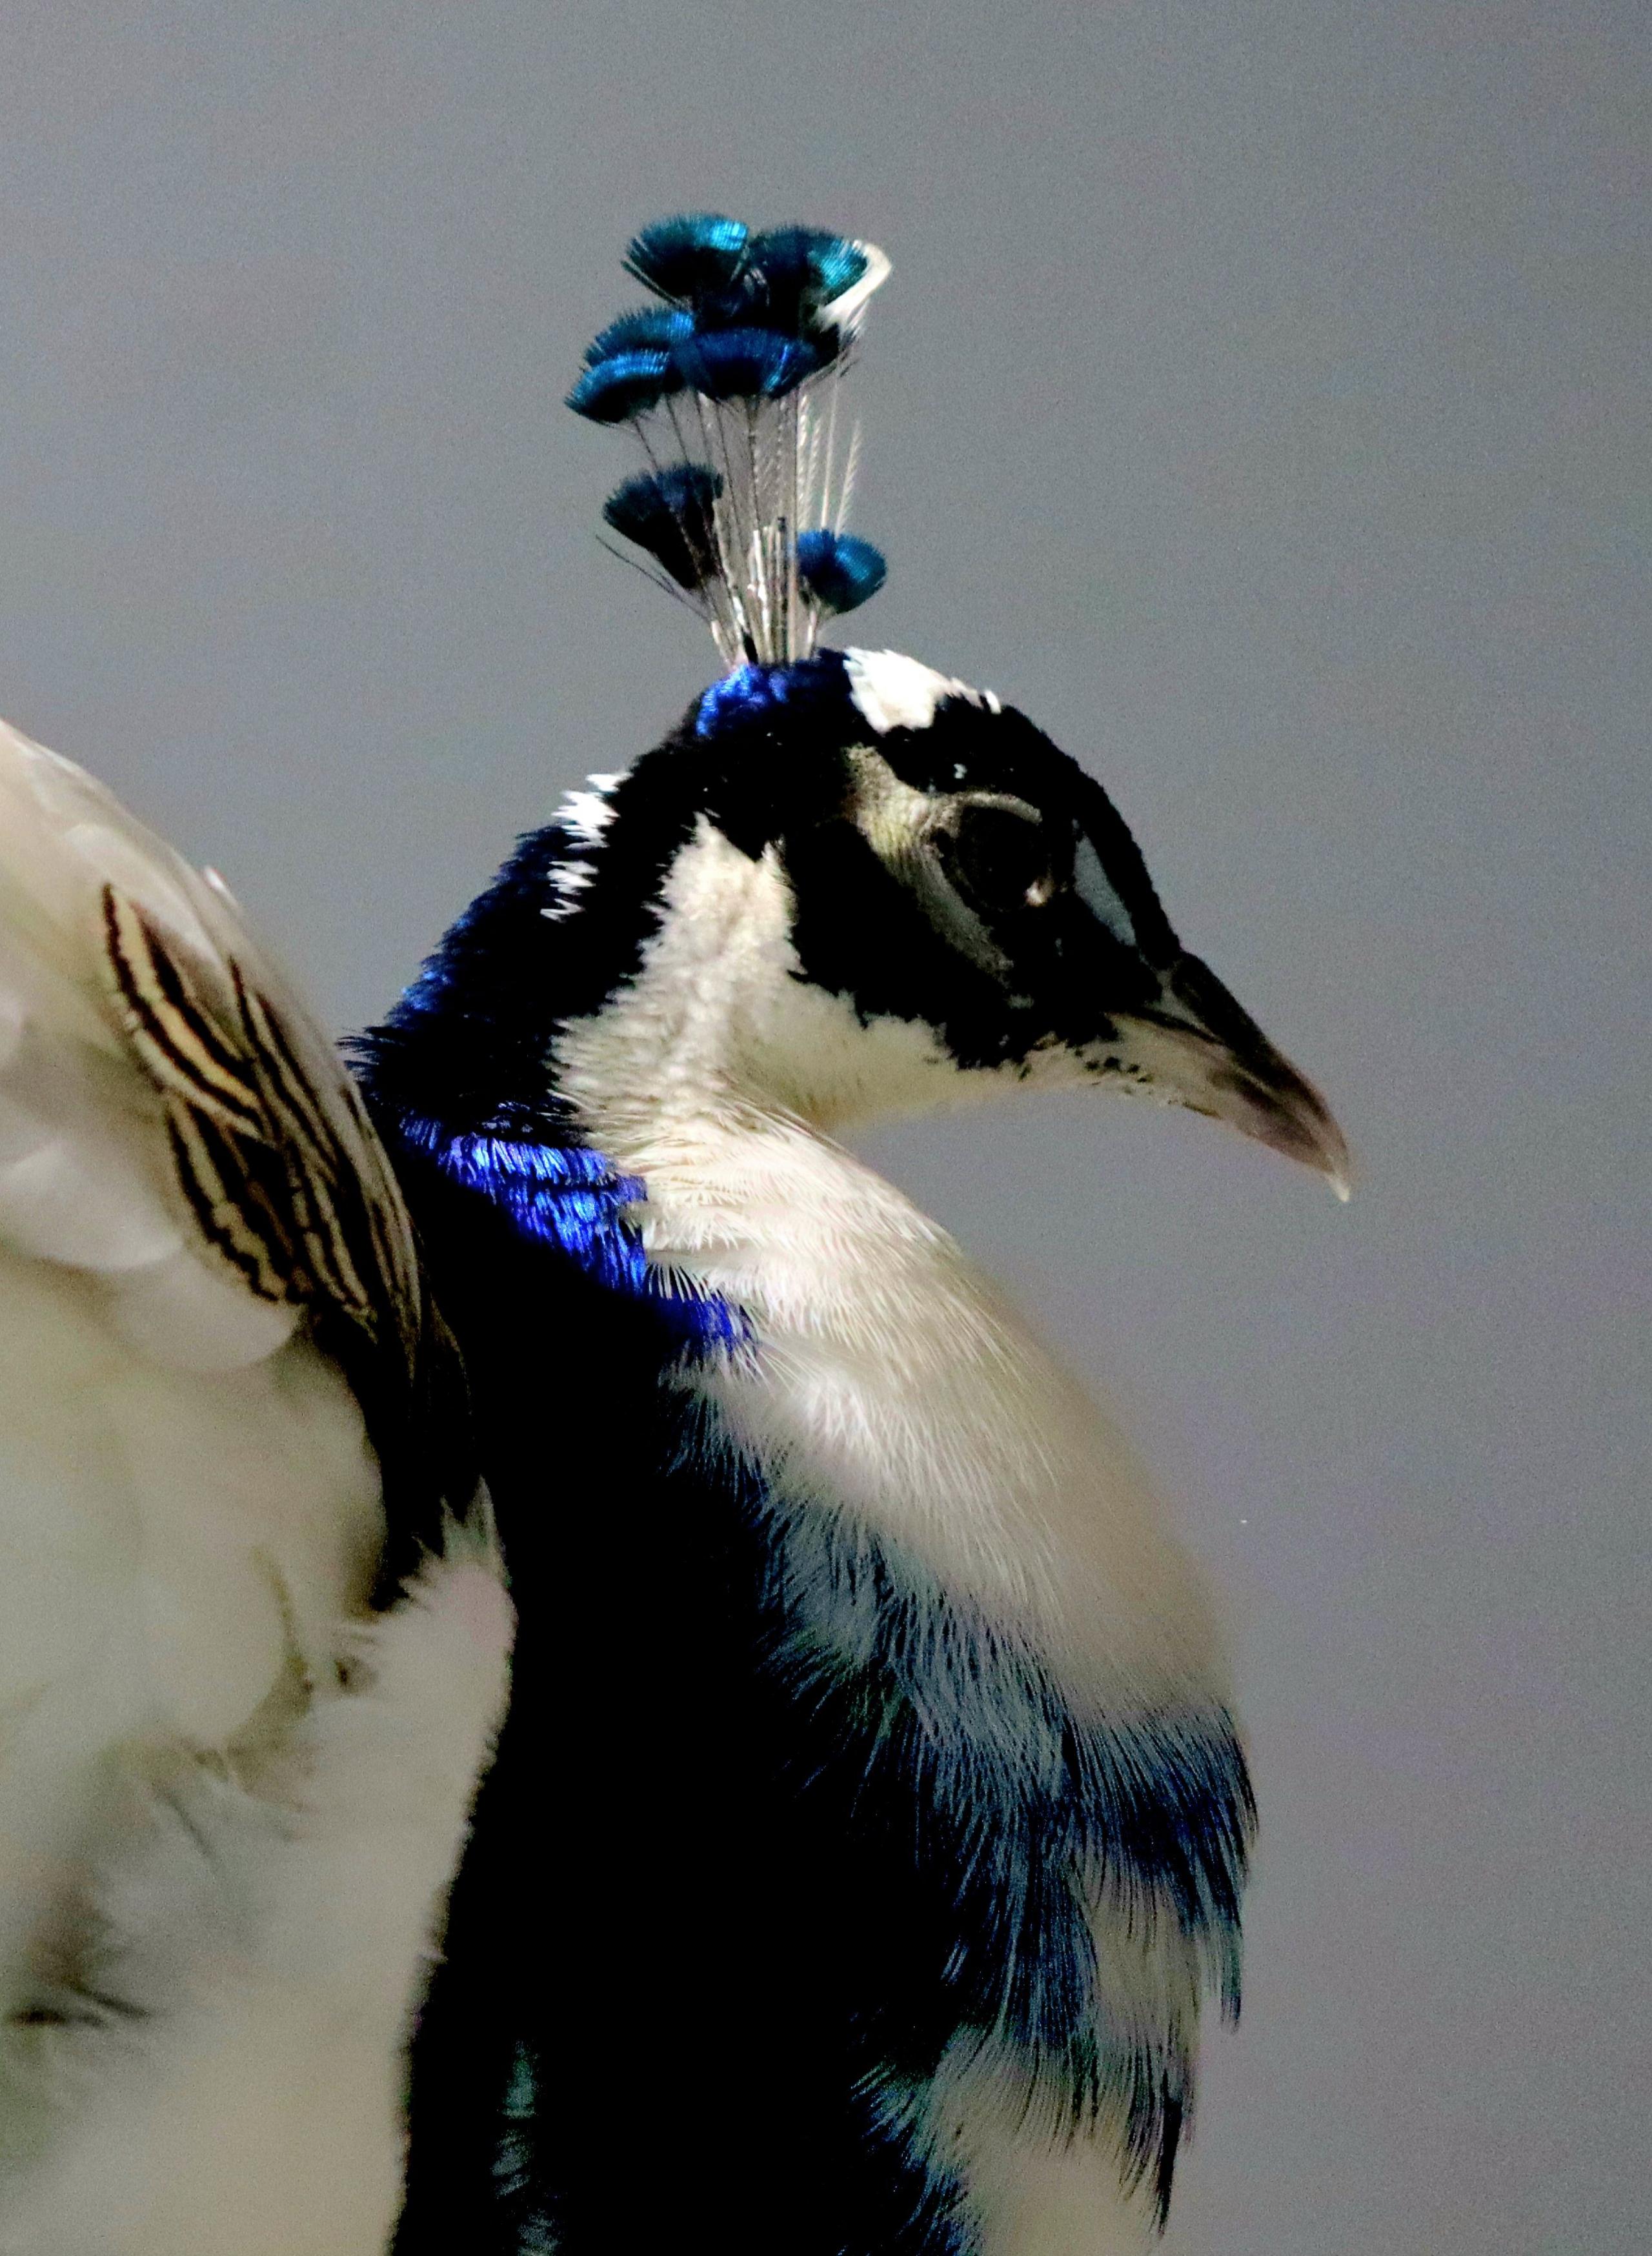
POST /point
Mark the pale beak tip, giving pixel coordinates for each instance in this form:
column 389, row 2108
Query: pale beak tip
column 1214, row 1058
column 1328, row 1146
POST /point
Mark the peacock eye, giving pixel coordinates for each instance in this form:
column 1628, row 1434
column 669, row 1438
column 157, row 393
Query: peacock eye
column 998, row 861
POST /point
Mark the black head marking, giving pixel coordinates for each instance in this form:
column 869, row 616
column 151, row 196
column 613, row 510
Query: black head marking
column 966, row 875
column 978, row 881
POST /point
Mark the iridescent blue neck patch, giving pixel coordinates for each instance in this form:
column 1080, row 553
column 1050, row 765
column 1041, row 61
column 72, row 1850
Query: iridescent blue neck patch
column 574, row 1199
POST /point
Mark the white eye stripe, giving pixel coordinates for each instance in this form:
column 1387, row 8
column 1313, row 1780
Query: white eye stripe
column 1095, row 889
column 889, row 691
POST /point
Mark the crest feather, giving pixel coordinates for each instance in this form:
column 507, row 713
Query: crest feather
column 731, row 387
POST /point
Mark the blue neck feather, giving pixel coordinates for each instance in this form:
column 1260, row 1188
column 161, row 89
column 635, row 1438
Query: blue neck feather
column 572, row 1198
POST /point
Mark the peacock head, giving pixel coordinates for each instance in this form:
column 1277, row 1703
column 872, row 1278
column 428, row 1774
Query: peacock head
column 845, row 884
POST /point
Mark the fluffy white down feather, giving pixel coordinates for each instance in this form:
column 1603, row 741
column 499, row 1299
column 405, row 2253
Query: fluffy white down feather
column 274, row 1926
column 189, row 1521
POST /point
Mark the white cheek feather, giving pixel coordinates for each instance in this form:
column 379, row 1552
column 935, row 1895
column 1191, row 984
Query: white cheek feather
column 889, row 1381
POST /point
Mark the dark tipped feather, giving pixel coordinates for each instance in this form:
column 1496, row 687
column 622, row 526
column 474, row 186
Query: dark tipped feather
column 740, row 368
column 805, row 266
column 745, row 364
column 669, row 513
column 687, row 254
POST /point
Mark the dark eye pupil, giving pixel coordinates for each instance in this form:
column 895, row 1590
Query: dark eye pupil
column 996, row 860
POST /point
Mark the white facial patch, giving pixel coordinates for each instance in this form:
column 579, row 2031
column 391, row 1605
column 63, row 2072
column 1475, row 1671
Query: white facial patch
column 719, row 1017
column 893, row 692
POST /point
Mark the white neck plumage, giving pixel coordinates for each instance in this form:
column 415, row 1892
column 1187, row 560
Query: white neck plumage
column 887, row 1380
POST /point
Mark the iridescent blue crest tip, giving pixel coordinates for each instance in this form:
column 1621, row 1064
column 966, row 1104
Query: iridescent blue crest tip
column 807, row 263
column 626, row 385
column 793, row 280
column 683, row 256
column 745, row 364
column 840, row 572
column 650, row 329
column 741, row 366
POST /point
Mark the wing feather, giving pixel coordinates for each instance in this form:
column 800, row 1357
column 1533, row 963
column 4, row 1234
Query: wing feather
column 228, row 1413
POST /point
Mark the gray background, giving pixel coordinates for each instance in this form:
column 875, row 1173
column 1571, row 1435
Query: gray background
column 1257, row 401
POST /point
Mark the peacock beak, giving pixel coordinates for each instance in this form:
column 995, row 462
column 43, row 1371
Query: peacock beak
column 1200, row 1050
